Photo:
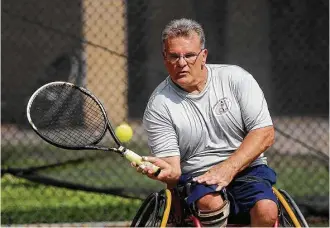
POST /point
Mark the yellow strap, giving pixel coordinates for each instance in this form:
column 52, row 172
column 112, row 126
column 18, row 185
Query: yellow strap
column 287, row 208
column 168, row 203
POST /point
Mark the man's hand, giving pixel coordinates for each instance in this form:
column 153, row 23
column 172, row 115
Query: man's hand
column 165, row 168
column 219, row 174
column 168, row 174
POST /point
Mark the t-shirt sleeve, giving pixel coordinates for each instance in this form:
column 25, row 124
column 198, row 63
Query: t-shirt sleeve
column 252, row 102
column 162, row 139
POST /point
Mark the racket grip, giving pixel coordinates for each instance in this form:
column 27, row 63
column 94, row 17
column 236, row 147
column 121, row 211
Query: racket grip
column 133, row 157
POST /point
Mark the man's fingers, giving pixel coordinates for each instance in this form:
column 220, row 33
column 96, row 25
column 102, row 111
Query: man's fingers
column 145, row 158
column 140, row 168
column 200, row 179
column 146, row 169
column 219, row 188
column 152, row 160
column 146, row 166
column 206, row 178
column 212, row 181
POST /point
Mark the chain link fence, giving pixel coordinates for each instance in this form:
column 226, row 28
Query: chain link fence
column 113, row 48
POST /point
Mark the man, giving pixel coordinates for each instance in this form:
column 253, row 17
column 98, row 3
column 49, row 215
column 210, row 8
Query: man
column 211, row 122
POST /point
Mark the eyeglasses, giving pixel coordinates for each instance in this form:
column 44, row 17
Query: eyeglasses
column 189, row 57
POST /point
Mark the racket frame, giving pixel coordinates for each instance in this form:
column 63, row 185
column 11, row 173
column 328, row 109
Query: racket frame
column 123, row 151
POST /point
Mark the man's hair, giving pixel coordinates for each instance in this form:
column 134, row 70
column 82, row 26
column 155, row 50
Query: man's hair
column 183, row 28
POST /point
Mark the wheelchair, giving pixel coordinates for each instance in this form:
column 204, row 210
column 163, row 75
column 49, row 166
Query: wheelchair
column 157, row 211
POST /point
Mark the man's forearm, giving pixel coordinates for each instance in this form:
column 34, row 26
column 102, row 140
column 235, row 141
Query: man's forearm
column 254, row 144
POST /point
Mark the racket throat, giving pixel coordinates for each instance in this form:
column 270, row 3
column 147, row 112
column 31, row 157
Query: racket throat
column 122, row 150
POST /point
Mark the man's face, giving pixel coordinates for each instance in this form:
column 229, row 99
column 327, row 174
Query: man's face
column 183, row 58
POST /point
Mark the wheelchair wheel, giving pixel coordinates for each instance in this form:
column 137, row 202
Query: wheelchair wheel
column 289, row 213
column 154, row 211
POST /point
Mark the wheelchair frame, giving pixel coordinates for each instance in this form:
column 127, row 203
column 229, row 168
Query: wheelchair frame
column 155, row 211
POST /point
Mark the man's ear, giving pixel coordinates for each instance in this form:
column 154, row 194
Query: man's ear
column 205, row 53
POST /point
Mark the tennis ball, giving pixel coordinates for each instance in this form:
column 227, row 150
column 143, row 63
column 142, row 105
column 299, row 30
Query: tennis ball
column 124, row 132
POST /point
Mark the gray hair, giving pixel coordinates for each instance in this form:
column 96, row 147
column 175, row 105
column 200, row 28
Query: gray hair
column 183, row 27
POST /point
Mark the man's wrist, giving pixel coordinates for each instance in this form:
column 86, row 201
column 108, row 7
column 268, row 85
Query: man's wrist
column 234, row 167
column 173, row 178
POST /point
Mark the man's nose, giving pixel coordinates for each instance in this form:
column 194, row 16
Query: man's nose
column 182, row 61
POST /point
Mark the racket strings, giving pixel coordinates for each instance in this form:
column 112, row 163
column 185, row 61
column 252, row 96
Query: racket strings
column 67, row 116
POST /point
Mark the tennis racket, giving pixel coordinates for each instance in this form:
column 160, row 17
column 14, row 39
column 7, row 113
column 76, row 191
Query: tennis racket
column 71, row 117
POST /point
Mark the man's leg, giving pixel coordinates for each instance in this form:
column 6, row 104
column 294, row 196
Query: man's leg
column 252, row 198
column 264, row 213
column 213, row 210
column 211, row 207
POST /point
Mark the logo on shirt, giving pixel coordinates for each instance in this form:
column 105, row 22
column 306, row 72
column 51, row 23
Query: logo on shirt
column 222, row 106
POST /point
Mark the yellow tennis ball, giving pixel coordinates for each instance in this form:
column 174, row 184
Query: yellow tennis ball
column 124, row 132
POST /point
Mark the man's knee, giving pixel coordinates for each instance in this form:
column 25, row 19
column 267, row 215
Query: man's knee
column 213, row 210
column 264, row 212
column 210, row 201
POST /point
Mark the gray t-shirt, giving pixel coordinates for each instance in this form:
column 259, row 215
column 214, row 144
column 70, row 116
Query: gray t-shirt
column 206, row 128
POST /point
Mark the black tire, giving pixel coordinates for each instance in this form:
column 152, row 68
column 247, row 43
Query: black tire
column 286, row 219
column 151, row 212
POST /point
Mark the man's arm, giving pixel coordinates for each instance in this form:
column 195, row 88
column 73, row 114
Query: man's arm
column 162, row 141
column 253, row 145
